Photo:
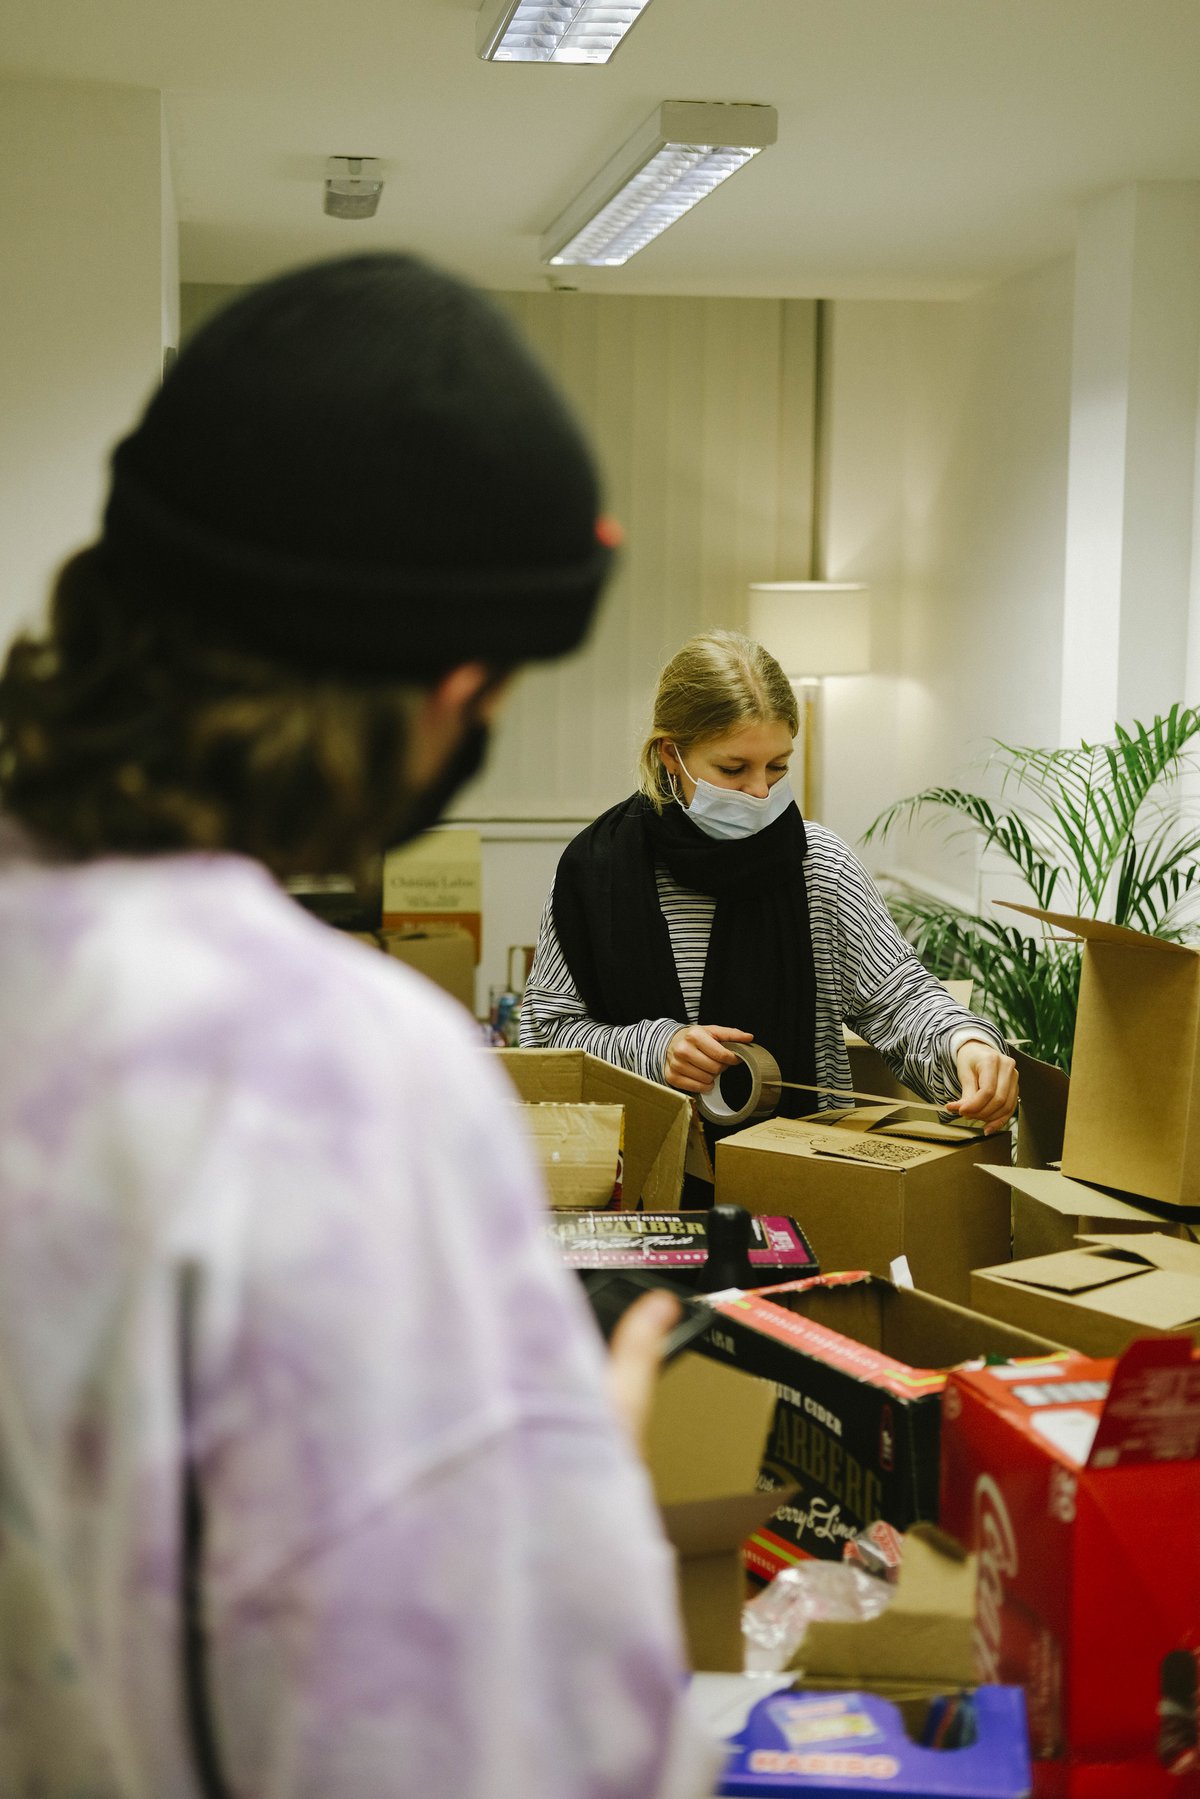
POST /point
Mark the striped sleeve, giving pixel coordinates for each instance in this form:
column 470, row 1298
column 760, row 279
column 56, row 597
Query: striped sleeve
column 554, row 1016
column 886, row 994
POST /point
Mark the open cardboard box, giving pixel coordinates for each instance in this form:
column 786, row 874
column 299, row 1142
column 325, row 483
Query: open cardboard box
column 1133, row 1112
column 704, row 1447
column 656, row 1117
column 859, row 1366
column 872, row 1183
column 1101, row 1295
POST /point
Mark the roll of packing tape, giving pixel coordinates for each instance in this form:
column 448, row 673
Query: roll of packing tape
column 766, row 1085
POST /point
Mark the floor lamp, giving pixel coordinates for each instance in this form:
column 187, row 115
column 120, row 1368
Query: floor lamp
column 813, row 629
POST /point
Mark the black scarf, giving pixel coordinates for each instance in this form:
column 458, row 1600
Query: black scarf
column 758, row 975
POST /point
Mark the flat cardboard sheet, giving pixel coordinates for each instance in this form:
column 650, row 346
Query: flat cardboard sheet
column 579, row 1149
column 1071, row 1271
column 656, row 1117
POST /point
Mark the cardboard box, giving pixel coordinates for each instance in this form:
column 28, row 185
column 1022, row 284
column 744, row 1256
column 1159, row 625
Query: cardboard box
column 859, row 1367
column 704, row 1446
column 442, row 952
column 1049, row 1212
column 1101, row 1295
column 579, row 1149
column 675, row 1244
column 436, row 879
column 866, row 1189
column 656, row 1117
column 823, row 1745
column 1078, row 1486
column 1133, row 1112
column 920, row 1645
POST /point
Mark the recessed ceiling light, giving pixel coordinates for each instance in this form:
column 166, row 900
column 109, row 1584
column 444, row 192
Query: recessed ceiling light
column 554, row 30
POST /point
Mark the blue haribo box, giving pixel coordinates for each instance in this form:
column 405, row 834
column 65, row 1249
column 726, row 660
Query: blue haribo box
column 814, row 1744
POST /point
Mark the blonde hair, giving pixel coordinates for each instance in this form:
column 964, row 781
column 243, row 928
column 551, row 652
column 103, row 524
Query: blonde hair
column 716, row 682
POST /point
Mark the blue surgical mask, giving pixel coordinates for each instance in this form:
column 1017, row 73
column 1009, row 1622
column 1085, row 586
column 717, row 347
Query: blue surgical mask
column 726, row 812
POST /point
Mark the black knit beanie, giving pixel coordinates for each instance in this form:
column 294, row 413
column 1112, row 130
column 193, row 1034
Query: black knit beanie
column 359, row 469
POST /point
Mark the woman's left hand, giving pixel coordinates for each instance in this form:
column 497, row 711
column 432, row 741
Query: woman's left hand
column 989, row 1085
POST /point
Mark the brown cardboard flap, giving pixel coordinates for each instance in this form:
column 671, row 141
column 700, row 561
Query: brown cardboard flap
column 929, row 1130
column 1160, row 1252
column 1098, row 930
column 1042, row 1117
column 1071, row 1271
column 707, row 1431
column 1073, row 1199
column 1160, row 1301
column 713, row 1526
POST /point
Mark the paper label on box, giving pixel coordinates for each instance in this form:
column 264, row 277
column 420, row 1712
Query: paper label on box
column 1071, row 1432
column 890, row 1152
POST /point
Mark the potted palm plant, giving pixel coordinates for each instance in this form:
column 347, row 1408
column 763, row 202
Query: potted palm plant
column 1102, row 831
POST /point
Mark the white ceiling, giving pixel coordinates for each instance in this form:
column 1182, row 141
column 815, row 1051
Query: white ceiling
column 925, row 146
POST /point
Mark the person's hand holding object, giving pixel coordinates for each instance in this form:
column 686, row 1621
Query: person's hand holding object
column 696, row 1055
column 989, row 1085
column 635, row 1359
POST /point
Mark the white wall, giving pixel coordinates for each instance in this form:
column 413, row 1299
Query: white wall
column 86, row 286
column 949, row 433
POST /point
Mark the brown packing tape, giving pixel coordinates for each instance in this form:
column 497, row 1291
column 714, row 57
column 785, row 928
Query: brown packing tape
column 767, row 1084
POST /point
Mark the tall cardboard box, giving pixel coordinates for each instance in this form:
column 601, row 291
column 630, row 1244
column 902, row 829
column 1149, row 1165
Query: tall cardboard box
column 1133, row 1112
column 704, row 1446
column 875, row 1183
column 858, row 1367
column 1078, row 1487
column 656, row 1118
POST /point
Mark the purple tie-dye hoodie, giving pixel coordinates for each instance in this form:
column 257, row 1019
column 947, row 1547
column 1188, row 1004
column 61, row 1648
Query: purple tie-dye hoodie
column 431, row 1566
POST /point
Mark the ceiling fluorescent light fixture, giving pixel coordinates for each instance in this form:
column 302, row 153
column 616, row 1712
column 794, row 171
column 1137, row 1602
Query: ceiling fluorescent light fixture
column 685, row 149
column 554, row 30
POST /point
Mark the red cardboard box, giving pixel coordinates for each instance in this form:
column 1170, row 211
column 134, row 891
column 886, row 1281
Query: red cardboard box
column 1077, row 1484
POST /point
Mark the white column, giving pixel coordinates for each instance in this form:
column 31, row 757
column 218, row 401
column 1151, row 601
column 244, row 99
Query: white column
column 1131, row 482
column 88, row 295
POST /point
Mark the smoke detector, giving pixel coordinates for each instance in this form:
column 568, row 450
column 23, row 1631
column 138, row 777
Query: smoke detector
column 353, row 185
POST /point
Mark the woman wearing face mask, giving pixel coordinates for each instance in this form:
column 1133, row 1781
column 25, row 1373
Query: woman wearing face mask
column 704, row 911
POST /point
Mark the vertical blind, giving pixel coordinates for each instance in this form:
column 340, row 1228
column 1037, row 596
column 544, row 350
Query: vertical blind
column 701, row 411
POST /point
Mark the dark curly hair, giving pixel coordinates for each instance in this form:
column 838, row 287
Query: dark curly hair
column 125, row 729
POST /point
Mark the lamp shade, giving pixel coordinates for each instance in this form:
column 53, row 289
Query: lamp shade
column 813, row 628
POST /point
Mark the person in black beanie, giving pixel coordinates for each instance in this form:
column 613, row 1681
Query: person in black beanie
column 313, row 1476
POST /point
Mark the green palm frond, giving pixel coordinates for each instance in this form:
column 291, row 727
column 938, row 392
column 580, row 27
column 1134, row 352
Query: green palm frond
column 1107, row 824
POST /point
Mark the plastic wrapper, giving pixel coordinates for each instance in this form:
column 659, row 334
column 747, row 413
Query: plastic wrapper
column 774, row 1622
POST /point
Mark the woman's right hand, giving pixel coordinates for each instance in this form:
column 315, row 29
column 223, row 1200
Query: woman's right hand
column 696, row 1055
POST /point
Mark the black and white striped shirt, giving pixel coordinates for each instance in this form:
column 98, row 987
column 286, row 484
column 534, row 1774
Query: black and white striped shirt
column 866, row 975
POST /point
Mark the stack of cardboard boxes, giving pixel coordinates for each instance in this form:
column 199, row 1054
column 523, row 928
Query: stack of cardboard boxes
column 815, row 1406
